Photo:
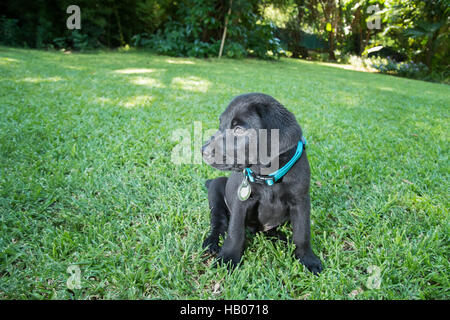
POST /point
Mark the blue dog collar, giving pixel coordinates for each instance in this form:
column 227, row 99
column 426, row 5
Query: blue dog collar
column 277, row 175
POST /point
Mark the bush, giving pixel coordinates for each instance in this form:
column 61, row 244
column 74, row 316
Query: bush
column 60, row 42
column 76, row 40
column 412, row 70
column 261, row 42
column 402, row 69
column 44, row 33
column 9, row 32
column 196, row 31
column 140, row 40
column 80, row 41
column 174, row 40
column 235, row 50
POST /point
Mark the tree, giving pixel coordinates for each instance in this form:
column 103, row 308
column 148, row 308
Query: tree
column 431, row 26
column 331, row 15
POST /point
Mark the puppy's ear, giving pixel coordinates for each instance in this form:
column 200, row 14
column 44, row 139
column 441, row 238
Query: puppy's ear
column 274, row 116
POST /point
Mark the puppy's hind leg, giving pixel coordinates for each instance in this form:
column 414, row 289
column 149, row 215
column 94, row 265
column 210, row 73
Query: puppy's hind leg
column 219, row 213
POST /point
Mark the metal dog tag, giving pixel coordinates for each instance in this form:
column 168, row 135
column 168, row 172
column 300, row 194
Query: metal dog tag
column 244, row 190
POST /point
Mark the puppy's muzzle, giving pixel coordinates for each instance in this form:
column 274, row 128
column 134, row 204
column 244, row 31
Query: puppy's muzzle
column 208, row 152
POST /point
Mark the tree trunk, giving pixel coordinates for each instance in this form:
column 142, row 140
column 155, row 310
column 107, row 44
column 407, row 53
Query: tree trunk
column 331, row 46
column 119, row 25
column 298, row 51
column 339, row 24
column 300, row 7
column 333, row 17
column 357, row 31
column 225, row 30
column 430, row 51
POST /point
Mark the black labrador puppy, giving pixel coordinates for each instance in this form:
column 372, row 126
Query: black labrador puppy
column 263, row 190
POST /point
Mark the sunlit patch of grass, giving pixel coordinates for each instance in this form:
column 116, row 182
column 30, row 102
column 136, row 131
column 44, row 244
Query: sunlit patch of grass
column 39, row 79
column 179, row 61
column 86, row 179
column 138, row 101
column 74, row 67
column 191, row 84
column 149, row 82
column 134, row 70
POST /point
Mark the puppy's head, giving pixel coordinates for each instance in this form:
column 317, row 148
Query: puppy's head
column 254, row 130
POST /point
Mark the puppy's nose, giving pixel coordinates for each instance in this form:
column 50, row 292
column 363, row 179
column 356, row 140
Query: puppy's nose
column 206, row 152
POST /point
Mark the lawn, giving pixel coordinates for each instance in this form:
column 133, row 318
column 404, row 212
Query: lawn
column 86, row 179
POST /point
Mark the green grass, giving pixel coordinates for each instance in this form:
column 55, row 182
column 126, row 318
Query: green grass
column 86, row 178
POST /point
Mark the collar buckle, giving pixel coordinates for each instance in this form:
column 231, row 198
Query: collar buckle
column 269, row 180
column 277, row 175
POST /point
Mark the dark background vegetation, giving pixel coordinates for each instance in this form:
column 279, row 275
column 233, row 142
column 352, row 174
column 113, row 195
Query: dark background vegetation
column 411, row 31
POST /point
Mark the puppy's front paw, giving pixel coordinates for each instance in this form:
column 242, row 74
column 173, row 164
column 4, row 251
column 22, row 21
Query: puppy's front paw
column 228, row 260
column 211, row 244
column 311, row 262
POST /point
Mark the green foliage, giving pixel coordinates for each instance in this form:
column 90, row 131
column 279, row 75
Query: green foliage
column 189, row 32
column 403, row 69
column 80, row 41
column 176, row 40
column 76, row 40
column 152, row 14
column 293, row 36
column 10, row 33
column 109, row 23
column 255, row 36
column 43, row 33
column 196, row 30
column 256, row 28
column 421, row 29
column 140, row 40
column 235, row 50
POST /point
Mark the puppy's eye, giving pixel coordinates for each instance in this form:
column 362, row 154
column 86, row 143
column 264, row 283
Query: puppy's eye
column 238, row 131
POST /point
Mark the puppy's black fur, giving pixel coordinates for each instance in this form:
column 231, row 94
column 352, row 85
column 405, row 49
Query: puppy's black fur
column 268, row 206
